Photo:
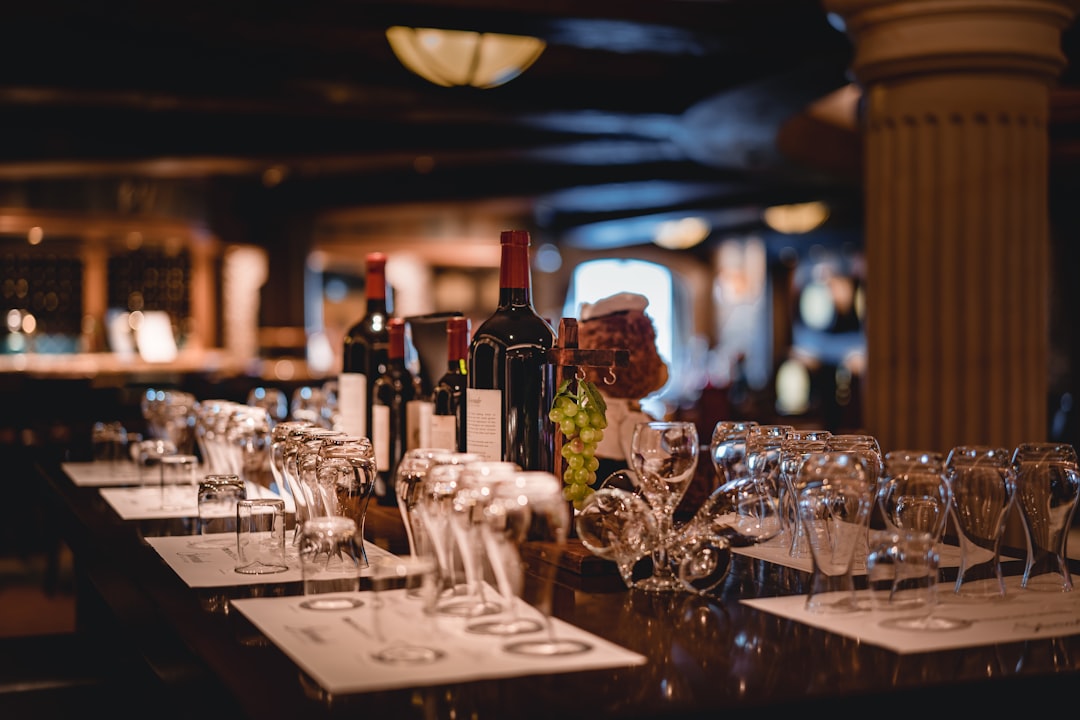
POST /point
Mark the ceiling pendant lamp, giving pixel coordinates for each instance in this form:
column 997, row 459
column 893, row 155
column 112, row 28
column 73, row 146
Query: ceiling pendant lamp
column 462, row 58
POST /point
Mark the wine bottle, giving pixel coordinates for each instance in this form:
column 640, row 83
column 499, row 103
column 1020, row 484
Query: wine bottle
column 448, row 420
column 420, row 409
column 391, row 394
column 365, row 355
column 510, row 383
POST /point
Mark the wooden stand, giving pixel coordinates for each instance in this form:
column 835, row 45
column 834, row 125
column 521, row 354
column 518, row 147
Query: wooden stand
column 567, row 358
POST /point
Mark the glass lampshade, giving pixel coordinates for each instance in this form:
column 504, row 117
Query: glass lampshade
column 457, row 57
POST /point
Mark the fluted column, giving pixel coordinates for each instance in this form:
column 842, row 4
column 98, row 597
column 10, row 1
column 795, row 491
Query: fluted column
column 956, row 98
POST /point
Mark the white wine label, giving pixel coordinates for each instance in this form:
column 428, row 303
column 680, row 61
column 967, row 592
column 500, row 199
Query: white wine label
column 484, row 423
column 418, row 415
column 380, row 426
column 444, row 432
column 352, row 403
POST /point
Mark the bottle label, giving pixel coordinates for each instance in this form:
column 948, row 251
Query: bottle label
column 444, row 432
column 352, row 403
column 418, row 415
column 484, row 422
column 380, row 436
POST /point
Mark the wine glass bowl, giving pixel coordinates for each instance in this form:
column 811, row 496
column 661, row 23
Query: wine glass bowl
column 914, row 494
column 727, row 448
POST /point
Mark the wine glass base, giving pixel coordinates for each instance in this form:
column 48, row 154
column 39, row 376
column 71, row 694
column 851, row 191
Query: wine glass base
column 408, row 655
column 548, row 647
column 331, row 603
column 924, row 623
column 216, row 543
column 504, row 626
column 659, row 584
column 467, row 608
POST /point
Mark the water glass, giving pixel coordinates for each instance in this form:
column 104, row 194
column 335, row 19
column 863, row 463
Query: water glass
column 260, row 536
column 177, row 482
column 217, row 498
column 109, row 442
column 330, row 562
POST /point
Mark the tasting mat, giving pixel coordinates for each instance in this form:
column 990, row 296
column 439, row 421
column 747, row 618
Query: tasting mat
column 776, row 552
column 1021, row 615
column 106, row 474
column 208, row 560
column 337, row 647
column 144, row 503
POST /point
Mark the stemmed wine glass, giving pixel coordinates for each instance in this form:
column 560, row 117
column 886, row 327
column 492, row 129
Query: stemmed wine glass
column 727, row 449
column 530, row 508
column 617, row 525
column 396, row 648
column 664, row 455
column 763, row 443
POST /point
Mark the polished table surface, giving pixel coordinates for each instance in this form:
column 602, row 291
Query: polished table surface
column 706, row 654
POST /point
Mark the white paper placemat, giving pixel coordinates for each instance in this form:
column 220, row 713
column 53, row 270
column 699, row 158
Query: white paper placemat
column 105, row 474
column 1021, row 615
column 208, row 560
column 144, row 503
column 336, row 647
column 777, row 552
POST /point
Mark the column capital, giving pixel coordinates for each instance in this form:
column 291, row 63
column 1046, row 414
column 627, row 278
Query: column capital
column 898, row 38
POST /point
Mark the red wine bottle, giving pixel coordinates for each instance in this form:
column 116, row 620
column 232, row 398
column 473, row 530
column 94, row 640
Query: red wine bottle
column 365, row 356
column 391, row 395
column 510, row 382
column 448, row 418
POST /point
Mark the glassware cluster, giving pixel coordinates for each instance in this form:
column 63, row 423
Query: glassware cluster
column 836, row 501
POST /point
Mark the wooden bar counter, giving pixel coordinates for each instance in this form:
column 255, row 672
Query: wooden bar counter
column 707, row 655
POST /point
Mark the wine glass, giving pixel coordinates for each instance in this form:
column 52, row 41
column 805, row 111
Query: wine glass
column 983, row 490
column 664, row 455
column 400, row 641
column 834, row 504
column 763, row 443
column 474, row 492
column 409, row 479
column 914, row 494
column 796, row 445
column 1047, row 488
column 868, row 448
column 279, row 439
column 618, row 525
column 727, row 448
column 744, row 511
column 433, row 511
column 345, row 474
column 248, row 440
column 273, row 400
column 532, row 506
column 308, row 403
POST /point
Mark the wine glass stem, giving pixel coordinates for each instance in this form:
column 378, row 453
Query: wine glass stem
column 661, row 565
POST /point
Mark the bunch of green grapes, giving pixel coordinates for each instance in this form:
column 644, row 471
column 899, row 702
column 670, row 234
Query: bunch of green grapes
column 579, row 414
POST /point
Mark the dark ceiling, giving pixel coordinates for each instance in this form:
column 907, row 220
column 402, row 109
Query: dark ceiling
column 637, row 107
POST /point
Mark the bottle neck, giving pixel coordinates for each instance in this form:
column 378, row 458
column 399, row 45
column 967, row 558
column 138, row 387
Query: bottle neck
column 396, row 351
column 375, row 287
column 515, row 279
column 457, row 342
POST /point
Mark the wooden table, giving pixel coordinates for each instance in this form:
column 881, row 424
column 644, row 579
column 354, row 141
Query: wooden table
column 707, row 655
